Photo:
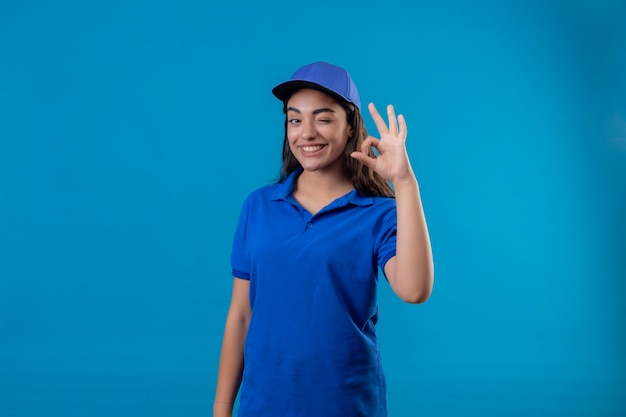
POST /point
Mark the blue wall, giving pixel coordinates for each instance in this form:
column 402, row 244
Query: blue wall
column 131, row 132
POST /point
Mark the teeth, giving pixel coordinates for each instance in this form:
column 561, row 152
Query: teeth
column 312, row 148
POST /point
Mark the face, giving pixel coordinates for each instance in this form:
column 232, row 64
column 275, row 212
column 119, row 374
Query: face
column 317, row 130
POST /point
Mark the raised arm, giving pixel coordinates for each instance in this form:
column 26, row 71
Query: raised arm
column 411, row 271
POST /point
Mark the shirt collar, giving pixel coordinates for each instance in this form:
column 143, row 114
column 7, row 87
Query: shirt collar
column 283, row 190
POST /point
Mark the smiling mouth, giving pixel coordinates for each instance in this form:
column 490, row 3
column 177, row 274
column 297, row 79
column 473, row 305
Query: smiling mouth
column 313, row 148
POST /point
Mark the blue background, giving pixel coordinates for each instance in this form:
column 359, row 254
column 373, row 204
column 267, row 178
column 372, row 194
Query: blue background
column 131, row 132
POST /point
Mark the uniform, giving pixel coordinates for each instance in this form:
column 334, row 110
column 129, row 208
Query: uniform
column 311, row 347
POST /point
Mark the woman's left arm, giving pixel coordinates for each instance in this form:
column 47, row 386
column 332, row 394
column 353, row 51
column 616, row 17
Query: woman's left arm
column 411, row 271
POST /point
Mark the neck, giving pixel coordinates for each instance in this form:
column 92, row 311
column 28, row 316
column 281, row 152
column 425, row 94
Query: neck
column 324, row 181
column 314, row 190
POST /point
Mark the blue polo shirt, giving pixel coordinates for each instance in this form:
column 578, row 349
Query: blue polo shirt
column 311, row 347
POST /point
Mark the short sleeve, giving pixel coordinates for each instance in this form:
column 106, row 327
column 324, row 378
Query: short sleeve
column 238, row 256
column 386, row 240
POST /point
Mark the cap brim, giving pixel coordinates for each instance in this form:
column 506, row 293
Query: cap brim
column 285, row 90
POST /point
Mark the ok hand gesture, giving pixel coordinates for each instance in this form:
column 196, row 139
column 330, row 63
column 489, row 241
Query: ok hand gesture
column 392, row 162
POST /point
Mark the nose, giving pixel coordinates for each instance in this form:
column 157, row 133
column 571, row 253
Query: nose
column 308, row 130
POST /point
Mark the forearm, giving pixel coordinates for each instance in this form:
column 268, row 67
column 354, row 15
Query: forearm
column 231, row 366
column 413, row 272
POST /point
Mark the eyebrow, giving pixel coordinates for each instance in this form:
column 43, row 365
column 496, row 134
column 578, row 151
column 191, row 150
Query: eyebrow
column 318, row 111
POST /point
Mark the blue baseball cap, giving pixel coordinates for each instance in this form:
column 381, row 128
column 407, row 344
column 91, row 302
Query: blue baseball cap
column 321, row 76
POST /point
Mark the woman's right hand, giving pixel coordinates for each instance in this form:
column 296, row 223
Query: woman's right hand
column 231, row 359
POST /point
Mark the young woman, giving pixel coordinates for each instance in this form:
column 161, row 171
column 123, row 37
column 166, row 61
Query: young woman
column 300, row 335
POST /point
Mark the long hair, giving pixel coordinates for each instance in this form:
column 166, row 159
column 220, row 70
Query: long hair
column 365, row 180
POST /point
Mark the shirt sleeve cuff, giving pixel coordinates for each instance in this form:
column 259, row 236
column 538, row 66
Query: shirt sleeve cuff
column 241, row 274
